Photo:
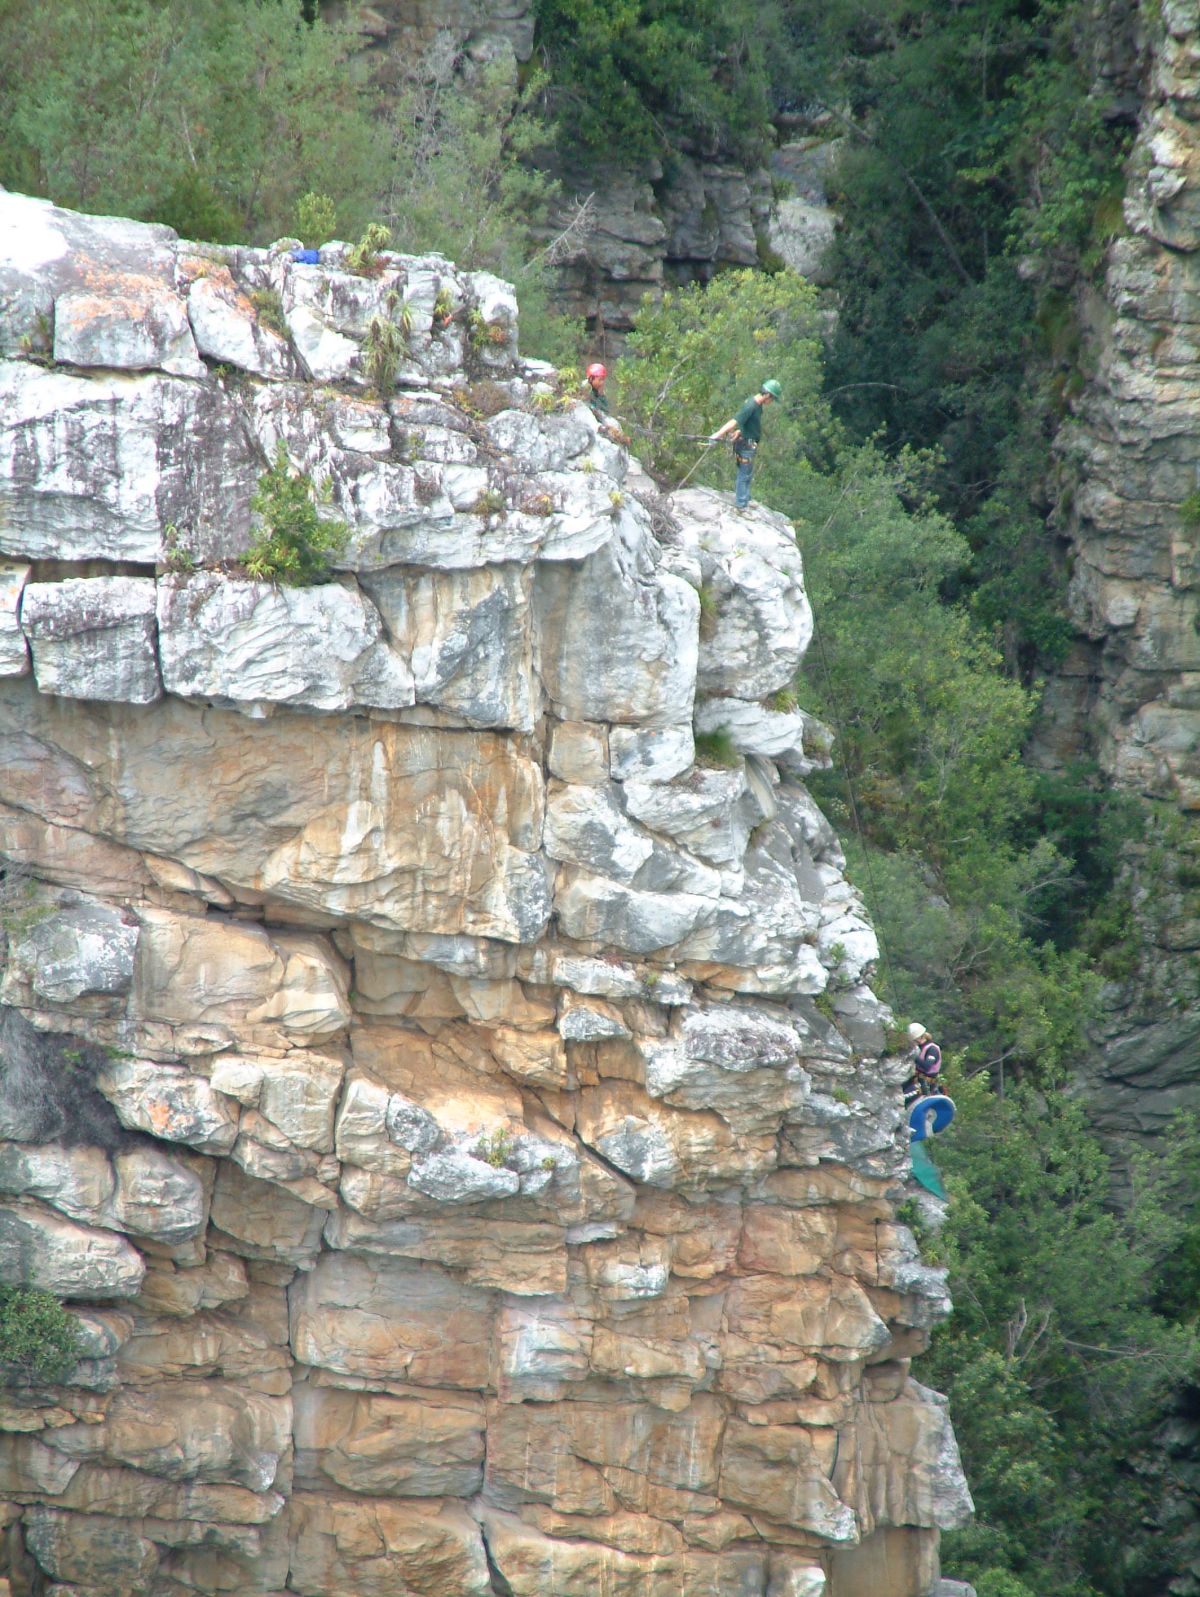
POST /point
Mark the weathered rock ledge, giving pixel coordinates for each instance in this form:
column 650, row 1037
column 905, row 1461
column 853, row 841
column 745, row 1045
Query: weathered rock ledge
column 456, row 1118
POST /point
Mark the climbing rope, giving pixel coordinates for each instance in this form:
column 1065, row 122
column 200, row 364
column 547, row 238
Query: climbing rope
column 709, row 444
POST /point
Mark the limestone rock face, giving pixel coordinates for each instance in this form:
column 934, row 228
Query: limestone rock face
column 456, row 1120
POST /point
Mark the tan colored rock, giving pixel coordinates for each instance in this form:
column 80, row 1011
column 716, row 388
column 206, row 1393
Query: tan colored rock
column 830, row 1317
column 587, row 1458
column 533, row 1564
column 901, row 1466
column 481, row 1137
column 665, row 1147
column 169, row 1288
column 776, row 1470
column 168, row 1103
column 427, row 1446
column 534, row 1056
column 369, row 1547
column 259, row 1221
column 322, row 830
column 68, row 857
column 133, row 1494
column 299, row 1094
column 28, row 1465
column 387, row 1320
column 889, row 1561
column 786, row 1241
column 189, row 1430
column 41, row 1249
column 519, row 1256
column 579, row 752
column 191, row 969
column 90, row 1550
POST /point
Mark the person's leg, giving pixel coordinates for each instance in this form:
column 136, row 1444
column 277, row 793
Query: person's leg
column 741, row 487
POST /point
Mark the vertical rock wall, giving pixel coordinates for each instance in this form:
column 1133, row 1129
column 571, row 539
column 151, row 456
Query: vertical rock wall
column 1129, row 693
column 455, row 1117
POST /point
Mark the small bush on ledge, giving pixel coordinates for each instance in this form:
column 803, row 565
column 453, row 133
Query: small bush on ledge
column 294, row 545
column 39, row 1340
column 715, row 749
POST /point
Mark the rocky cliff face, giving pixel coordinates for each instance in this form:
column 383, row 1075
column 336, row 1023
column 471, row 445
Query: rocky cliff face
column 1130, row 692
column 454, row 1116
column 646, row 227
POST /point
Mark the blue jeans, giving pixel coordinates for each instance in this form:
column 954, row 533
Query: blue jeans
column 741, row 486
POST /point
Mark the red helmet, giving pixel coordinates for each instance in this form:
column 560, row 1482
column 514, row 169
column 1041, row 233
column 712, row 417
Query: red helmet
column 596, row 370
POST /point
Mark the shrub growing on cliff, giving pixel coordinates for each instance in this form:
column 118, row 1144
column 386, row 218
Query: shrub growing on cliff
column 294, row 544
column 39, row 1340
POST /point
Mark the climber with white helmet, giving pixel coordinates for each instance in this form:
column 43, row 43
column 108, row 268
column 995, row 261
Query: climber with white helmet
column 746, row 430
column 927, row 1064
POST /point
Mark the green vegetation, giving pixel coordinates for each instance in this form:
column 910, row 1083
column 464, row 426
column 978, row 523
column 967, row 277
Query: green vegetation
column 269, row 309
column 978, row 174
column 386, row 343
column 294, row 544
column 715, row 750
column 316, row 219
column 213, row 116
column 363, row 257
column 490, row 502
column 39, row 1340
column 643, row 77
column 495, row 1147
column 1073, row 1328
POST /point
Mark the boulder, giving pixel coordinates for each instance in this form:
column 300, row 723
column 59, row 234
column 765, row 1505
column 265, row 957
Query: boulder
column 253, row 643
column 93, row 638
column 40, row 1249
column 104, row 467
column 82, row 950
column 169, row 1103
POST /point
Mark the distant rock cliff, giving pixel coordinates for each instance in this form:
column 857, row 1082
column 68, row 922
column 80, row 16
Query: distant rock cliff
column 456, row 1117
column 1129, row 694
column 650, row 225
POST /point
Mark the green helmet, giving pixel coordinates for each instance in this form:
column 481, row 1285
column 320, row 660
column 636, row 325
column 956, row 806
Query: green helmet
column 772, row 387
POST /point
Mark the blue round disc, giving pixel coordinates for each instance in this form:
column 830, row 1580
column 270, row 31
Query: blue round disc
column 929, row 1115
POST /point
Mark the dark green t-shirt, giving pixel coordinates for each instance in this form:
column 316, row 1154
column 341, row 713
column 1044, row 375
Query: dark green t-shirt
column 598, row 403
column 749, row 420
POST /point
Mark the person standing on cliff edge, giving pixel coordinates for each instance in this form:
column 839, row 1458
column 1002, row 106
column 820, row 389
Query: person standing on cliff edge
column 746, row 430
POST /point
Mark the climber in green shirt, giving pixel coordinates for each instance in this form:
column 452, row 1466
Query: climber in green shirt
column 746, row 428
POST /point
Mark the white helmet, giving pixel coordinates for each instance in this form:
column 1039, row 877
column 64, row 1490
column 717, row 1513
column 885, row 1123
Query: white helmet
column 916, row 1030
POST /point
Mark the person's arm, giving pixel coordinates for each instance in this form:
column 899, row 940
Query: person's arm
column 731, row 426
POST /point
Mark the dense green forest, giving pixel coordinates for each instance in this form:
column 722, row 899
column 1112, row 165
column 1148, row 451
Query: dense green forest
column 978, row 183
